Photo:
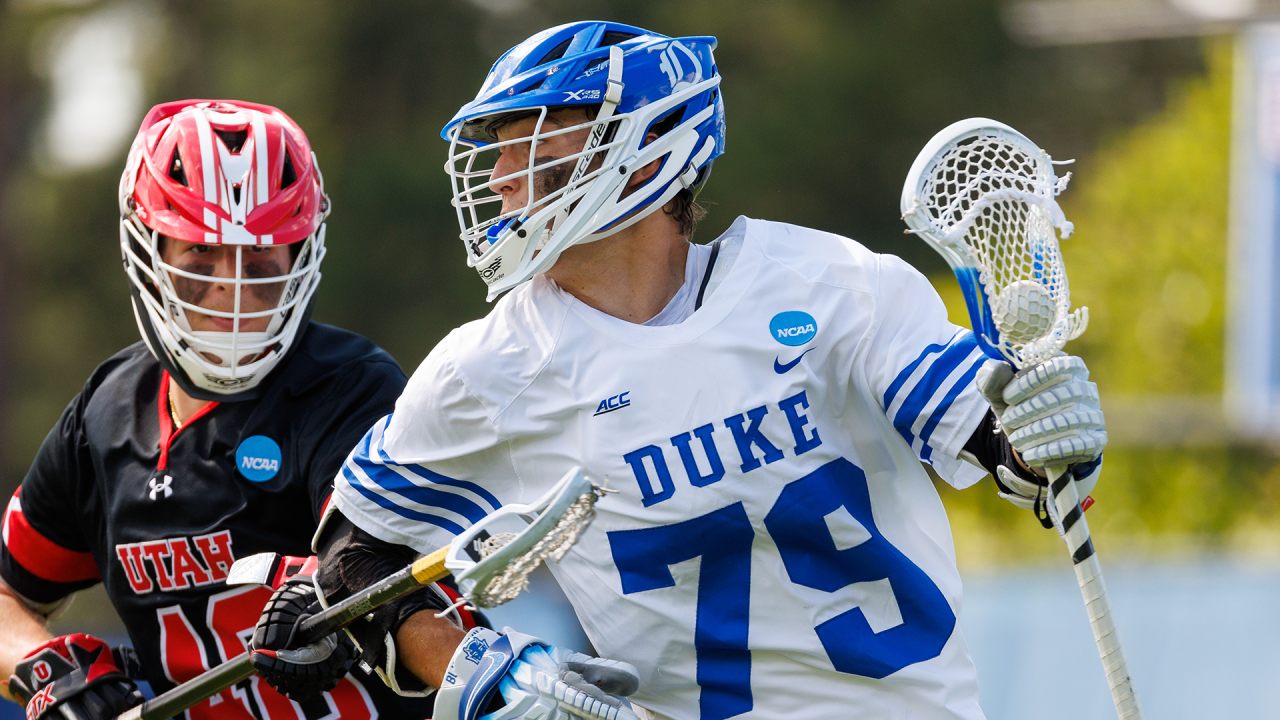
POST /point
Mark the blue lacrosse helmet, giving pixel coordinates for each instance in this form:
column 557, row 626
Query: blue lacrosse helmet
column 638, row 83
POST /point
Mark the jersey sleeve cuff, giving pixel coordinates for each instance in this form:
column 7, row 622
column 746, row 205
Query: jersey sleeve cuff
column 946, row 461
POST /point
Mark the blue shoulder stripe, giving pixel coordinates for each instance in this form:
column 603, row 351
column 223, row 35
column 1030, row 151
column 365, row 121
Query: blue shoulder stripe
column 394, row 482
column 899, row 381
column 930, row 383
column 960, row 384
column 405, row 512
column 433, row 477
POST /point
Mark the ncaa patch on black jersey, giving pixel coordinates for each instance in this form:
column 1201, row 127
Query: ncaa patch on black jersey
column 258, row 458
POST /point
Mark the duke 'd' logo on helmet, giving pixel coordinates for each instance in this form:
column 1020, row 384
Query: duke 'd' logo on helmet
column 793, row 327
column 674, row 68
column 258, row 458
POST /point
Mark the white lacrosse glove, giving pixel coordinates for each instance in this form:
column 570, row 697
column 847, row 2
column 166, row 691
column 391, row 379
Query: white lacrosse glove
column 537, row 681
column 1051, row 416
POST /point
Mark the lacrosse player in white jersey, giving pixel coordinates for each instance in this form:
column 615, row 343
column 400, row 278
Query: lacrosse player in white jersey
column 760, row 406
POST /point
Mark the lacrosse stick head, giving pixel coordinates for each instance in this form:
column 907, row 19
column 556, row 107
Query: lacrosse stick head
column 983, row 196
column 492, row 560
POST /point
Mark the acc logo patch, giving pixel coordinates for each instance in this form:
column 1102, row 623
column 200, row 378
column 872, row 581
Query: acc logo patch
column 793, row 327
column 258, row 458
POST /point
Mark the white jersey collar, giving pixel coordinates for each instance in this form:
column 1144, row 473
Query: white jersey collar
column 732, row 275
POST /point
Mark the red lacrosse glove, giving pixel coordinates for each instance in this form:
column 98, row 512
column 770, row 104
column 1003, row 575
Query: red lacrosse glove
column 78, row 675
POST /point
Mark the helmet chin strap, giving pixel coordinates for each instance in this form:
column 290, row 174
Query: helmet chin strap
column 612, row 97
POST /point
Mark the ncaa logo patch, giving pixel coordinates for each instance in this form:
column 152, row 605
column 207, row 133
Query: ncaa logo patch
column 793, row 327
column 258, row 458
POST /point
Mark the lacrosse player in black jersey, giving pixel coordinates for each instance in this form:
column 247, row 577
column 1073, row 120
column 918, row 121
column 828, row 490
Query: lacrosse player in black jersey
column 217, row 437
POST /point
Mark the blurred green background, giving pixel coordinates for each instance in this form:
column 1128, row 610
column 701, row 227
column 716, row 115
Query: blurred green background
column 828, row 103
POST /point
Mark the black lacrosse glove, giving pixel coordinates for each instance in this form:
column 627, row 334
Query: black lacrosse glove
column 301, row 673
column 76, row 677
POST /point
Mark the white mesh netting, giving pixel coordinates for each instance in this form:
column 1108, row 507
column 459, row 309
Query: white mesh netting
column 506, row 585
column 990, row 197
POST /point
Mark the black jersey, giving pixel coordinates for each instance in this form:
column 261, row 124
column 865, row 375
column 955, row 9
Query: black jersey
column 117, row 496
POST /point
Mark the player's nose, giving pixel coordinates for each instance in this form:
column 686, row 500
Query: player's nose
column 224, row 265
column 505, row 178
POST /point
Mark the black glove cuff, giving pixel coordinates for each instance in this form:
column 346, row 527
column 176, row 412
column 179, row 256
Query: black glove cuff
column 991, row 447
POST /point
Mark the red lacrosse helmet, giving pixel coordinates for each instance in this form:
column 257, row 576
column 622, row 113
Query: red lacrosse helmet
column 221, row 172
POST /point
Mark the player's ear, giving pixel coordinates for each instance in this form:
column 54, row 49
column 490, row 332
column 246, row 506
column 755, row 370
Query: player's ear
column 641, row 176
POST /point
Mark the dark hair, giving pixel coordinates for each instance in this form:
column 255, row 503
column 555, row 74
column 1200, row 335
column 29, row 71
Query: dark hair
column 685, row 211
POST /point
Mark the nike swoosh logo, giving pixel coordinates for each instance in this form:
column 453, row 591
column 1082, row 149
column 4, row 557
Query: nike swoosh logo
column 780, row 368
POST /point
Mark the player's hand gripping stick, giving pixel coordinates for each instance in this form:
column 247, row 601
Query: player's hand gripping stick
column 491, row 563
column 983, row 196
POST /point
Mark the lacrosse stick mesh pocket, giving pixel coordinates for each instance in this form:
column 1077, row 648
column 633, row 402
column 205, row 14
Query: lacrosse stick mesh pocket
column 507, row 585
column 989, row 199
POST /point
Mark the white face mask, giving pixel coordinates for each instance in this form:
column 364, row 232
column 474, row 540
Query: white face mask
column 265, row 310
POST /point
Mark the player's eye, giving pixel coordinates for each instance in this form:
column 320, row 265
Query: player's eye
column 518, row 151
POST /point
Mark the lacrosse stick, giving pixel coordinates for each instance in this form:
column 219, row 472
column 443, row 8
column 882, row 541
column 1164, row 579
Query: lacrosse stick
column 491, row 562
column 982, row 195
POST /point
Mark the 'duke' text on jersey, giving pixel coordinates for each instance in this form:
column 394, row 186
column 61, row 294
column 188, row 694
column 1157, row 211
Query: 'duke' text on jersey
column 754, row 449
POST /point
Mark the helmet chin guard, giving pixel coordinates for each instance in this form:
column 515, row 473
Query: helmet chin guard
column 647, row 98
column 236, row 176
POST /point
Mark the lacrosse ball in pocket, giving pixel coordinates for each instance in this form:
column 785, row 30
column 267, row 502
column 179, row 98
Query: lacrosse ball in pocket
column 1024, row 311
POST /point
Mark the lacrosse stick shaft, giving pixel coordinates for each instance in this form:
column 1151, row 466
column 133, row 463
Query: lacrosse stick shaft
column 1070, row 521
column 423, row 571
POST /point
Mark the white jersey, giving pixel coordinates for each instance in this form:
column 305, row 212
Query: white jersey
column 774, row 548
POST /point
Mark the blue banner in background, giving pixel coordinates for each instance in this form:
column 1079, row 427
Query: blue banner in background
column 1252, row 372
column 1202, row 640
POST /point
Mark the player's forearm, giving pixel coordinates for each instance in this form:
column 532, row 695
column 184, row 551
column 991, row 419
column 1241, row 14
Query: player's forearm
column 424, row 645
column 20, row 630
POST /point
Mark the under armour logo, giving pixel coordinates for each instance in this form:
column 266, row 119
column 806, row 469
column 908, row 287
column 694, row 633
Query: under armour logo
column 165, row 487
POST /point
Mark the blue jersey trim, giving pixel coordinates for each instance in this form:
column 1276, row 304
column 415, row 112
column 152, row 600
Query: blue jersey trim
column 927, row 431
column 929, row 385
column 431, row 476
column 394, row 482
column 404, row 512
column 898, row 382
